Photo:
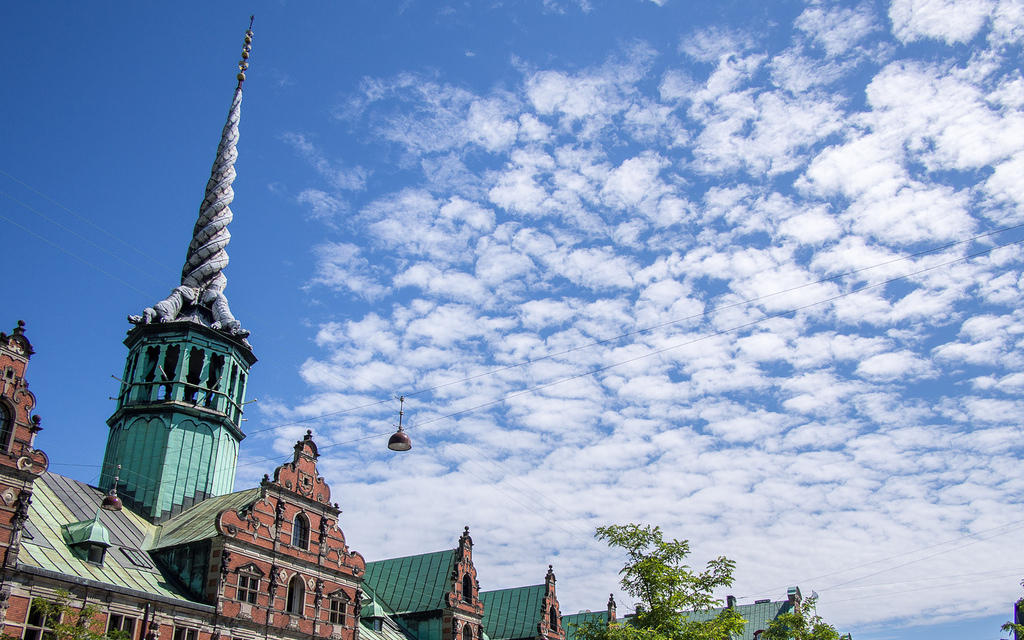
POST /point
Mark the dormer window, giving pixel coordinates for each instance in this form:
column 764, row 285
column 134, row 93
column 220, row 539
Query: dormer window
column 95, row 553
column 88, row 539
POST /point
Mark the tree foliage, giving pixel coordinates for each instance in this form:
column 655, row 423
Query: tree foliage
column 69, row 622
column 667, row 589
column 1017, row 630
column 802, row 623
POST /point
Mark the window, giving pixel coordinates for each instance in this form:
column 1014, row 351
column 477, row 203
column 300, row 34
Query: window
column 248, row 588
column 95, row 553
column 467, row 632
column 184, row 633
column 213, row 379
column 467, row 588
column 296, row 596
column 6, row 427
column 137, row 558
column 553, row 618
column 337, row 611
column 169, row 371
column 38, row 625
column 196, row 359
column 300, row 532
column 119, row 626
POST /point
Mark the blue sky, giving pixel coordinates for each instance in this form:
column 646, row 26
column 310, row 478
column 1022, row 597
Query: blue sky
column 770, row 230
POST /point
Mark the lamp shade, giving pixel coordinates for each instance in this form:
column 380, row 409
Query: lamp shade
column 399, row 441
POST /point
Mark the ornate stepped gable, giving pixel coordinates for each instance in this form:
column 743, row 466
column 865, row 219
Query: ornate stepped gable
column 282, row 561
column 18, row 427
column 522, row 613
column 20, row 462
column 433, row 595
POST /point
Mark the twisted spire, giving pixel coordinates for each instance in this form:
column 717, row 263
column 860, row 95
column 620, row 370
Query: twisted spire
column 200, row 298
column 207, row 253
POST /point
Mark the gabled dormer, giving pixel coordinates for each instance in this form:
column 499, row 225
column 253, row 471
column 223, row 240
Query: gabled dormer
column 88, row 539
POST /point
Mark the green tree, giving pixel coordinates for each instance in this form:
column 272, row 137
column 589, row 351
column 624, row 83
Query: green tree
column 73, row 623
column 1012, row 627
column 802, row 623
column 667, row 589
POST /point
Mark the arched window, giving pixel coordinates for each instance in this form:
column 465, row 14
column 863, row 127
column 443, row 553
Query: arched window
column 467, row 588
column 467, row 632
column 553, row 618
column 300, row 532
column 6, row 427
column 296, row 595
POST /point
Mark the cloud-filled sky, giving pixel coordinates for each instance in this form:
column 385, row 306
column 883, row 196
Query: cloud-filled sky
column 748, row 272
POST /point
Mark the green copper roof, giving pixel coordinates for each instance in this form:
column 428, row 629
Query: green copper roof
column 86, row 531
column 199, row 522
column 513, row 613
column 572, row 622
column 386, row 632
column 413, row 583
column 59, row 501
column 757, row 615
column 372, row 607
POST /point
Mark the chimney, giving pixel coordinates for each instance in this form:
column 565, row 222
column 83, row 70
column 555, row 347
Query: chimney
column 611, row 607
column 730, row 602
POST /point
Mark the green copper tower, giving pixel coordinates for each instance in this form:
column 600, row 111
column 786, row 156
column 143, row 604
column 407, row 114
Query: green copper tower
column 174, row 436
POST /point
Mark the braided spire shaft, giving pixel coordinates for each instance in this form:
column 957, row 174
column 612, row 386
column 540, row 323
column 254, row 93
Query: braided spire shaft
column 207, row 253
column 201, row 294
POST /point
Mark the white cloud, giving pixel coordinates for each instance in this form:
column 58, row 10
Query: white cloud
column 837, row 29
column 584, row 220
column 322, row 204
column 897, row 365
column 949, row 20
column 341, row 266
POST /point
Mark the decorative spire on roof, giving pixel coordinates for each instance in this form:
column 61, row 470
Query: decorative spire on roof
column 200, row 297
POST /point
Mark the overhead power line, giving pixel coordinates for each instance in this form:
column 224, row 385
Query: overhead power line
column 648, row 329
column 87, row 221
column 594, row 371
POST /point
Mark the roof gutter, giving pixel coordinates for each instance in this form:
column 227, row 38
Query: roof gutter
column 142, row 595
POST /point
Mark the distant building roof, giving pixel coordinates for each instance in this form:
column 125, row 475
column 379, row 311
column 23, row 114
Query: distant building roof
column 758, row 616
column 574, row 621
column 413, row 583
column 513, row 613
